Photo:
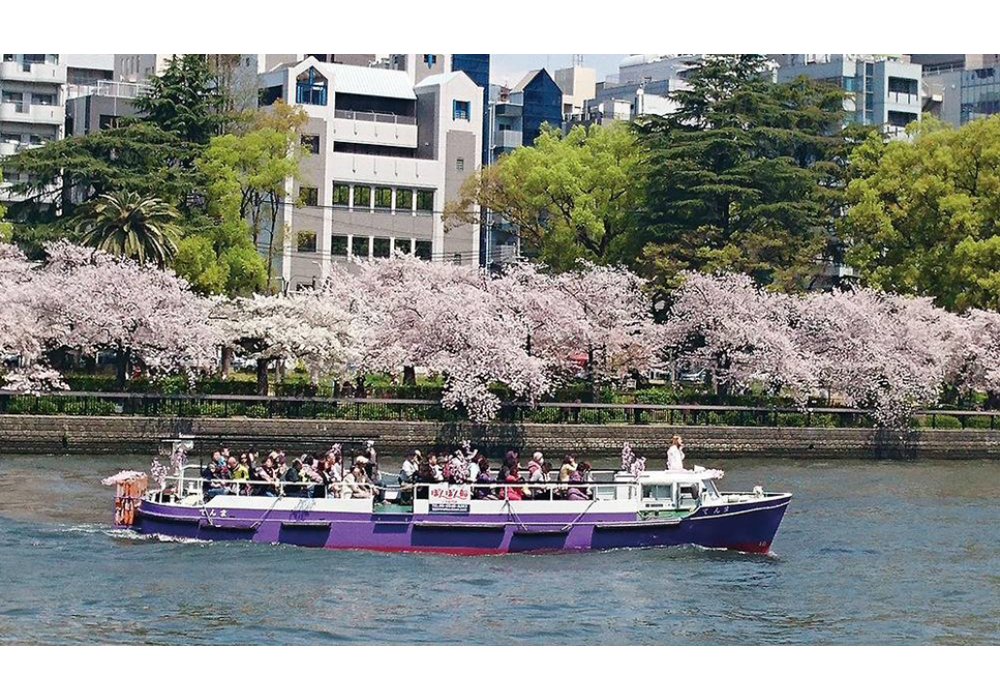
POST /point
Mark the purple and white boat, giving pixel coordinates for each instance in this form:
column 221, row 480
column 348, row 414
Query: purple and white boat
column 649, row 509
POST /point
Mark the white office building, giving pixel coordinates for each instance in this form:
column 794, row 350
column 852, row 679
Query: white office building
column 383, row 157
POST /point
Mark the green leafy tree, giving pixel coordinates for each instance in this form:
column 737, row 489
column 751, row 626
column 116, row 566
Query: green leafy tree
column 185, row 100
column 5, row 226
column 746, row 176
column 138, row 158
column 569, row 197
column 247, row 174
column 130, row 225
column 924, row 213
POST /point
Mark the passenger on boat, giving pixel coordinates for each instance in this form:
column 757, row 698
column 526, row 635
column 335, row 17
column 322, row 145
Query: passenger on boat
column 210, row 485
column 675, row 455
column 239, row 474
column 434, row 468
column 312, row 474
column 356, row 483
column 335, row 471
column 538, row 473
column 567, row 468
column 509, row 460
column 292, row 477
column 514, row 477
column 369, row 452
column 474, row 468
column 485, row 477
column 581, row 475
column 374, row 478
column 409, row 468
column 266, row 473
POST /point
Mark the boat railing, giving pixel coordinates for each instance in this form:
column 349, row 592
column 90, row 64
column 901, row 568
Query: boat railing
column 183, row 484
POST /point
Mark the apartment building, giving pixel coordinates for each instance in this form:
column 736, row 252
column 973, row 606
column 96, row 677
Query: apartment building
column 881, row 90
column 140, row 67
column 960, row 87
column 32, row 88
column 383, row 157
column 578, row 84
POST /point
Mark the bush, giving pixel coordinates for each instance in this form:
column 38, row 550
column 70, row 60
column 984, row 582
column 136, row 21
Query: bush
column 941, row 422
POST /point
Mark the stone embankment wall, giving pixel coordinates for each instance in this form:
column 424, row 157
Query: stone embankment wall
column 77, row 434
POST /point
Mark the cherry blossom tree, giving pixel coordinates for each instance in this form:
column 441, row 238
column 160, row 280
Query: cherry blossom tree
column 91, row 302
column 305, row 326
column 889, row 353
column 740, row 332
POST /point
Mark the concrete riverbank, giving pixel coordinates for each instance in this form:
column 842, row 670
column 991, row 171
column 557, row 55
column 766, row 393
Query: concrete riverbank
column 106, row 434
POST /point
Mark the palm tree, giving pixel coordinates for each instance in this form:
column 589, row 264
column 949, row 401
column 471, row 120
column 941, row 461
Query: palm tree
column 130, row 225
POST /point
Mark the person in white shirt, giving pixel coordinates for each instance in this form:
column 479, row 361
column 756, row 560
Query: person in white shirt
column 675, row 455
column 408, row 469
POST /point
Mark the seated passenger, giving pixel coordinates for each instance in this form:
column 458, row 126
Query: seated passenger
column 514, row 477
column 541, row 475
column 409, row 469
column 485, row 477
column 356, row 484
column 580, row 476
column 292, row 478
column 269, row 482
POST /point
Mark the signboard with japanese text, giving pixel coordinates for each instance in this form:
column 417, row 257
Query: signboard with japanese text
column 449, row 498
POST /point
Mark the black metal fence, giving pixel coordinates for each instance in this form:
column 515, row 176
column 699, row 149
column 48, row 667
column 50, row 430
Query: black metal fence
column 82, row 403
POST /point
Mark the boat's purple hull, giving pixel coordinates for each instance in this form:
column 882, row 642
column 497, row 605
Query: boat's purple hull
column 748, row 527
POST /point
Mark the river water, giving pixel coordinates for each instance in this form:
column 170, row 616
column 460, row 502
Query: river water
column 868, row 553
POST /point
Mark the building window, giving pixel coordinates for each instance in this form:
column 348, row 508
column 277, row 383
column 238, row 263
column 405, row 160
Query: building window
column 425, row 200
column 457, row 258
column 460, row 110
column 341, row 195
column 310, row 142
column 338, row 246
column 359, row 247
column 402, row 245
column 380, row 247
column 270, row 95
column 107, row 121
column 404, row 200
column 460, row 164
column 383, row 197
column 307, row 242
column 362, row 197
column 308, row 196
column 423, row 250
column 310, row 88
column 43, row 99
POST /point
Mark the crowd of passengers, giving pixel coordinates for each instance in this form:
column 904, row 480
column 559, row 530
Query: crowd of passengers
column 326, row 476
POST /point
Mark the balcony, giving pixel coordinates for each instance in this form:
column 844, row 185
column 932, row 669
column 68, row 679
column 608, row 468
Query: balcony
column 388, row 170
column 904, row 98
column 507, row 138
column 32, row 72
column 9, row 148
column 32, row 114
column 374, row 128
column 108, row 88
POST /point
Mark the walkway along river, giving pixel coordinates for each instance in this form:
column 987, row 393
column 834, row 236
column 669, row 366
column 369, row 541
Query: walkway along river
column 94, row 434
column 869, row 552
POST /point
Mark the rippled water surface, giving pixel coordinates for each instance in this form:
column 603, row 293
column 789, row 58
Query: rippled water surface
column 869, row 553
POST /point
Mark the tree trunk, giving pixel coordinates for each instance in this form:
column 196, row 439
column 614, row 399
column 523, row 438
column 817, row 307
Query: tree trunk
column 121, row 369
column 227, row 361
column 262, row 367
column 409, row 375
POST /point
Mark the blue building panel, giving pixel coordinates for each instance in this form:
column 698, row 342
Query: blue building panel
column 542, row 105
